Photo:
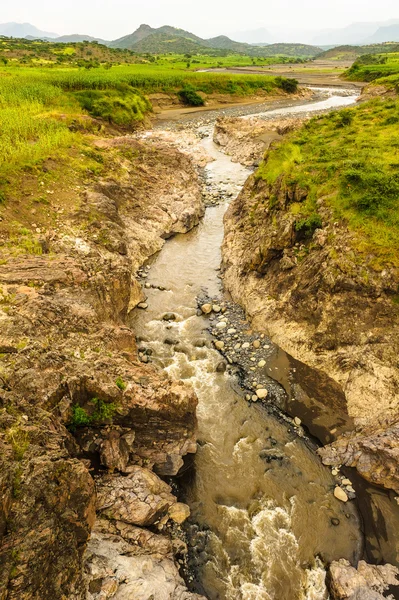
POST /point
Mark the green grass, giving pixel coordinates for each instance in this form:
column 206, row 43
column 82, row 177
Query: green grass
column 146, row 78
column 371, row 67
column 350, row 158
column 37, row 104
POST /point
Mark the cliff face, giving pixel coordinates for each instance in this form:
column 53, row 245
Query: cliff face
column 324, row 304
column 75, row 399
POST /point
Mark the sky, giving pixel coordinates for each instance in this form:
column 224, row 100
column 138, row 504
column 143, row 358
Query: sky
column 111, row 19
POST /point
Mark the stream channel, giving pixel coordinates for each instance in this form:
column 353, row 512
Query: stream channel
column 264, row 518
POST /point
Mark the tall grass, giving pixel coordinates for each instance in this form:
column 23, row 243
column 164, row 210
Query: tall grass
column 28, row 129
column 144, row 77
column 32, row 100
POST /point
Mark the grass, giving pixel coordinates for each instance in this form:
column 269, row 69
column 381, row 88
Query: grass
column 371, row 67
column 38, row 105
column 351, row 159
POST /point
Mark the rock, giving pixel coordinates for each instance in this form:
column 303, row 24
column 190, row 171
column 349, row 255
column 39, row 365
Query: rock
column 256, row 344
column 114, row 571
column 142, row 305
column 221, row 367
column 141, row 498
column 262, row 393
column 206, row 309
column 367, row 582
column 334, row 472
column 261, row 364
column 346, row 482
column 254, row 398
column 231, row 331
column 245, row 345
column 297, row 421
column 216, row 308
column 335, row 522
column 179, row 512
column 219, row 345
column 221, row 325
column 169, row 316
column 374, row 453
column 340, row 494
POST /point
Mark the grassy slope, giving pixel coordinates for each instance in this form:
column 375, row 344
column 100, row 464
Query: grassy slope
column 372, row 67
column 352, row 158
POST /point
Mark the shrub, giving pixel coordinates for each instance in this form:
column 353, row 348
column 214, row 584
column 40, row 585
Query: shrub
column 122, row 105
column 288, row 85
column 344, row 118
column 189, row 96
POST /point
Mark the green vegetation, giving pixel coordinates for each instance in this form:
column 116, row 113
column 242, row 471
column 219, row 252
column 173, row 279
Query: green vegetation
column 351, row 159
column 189, row 96
column 120, row 383
column 353, row 52
column 98, row 413
column 39, row 106
column 122, row 105
column 370, row 67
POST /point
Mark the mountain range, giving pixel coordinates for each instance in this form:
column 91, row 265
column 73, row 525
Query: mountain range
column 172, row 39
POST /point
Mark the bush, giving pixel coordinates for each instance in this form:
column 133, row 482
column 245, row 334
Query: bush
column 122, row 105
column 189, row 96
column 288, row 85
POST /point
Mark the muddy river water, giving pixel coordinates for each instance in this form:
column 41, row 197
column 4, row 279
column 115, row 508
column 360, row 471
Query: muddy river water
column 264, row 518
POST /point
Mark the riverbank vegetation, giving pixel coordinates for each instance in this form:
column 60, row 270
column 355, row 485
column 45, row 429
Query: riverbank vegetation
column 351, row 159
column 42, row 110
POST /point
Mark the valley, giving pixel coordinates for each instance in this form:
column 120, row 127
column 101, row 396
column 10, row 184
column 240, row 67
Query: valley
column 199, row 323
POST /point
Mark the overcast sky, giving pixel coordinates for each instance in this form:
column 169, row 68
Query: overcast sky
column 110, row 19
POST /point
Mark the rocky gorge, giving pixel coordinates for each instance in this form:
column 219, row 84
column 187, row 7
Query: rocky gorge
column 104, row 361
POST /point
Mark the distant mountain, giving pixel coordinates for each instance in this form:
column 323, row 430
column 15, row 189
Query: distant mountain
column 255, row 36
column 356, row 33
column 389, row 33
column 21, row 30
column 76, row 37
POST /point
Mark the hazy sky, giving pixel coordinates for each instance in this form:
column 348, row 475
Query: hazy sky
column 113, row 18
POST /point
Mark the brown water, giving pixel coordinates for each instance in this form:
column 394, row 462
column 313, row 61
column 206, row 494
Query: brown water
column 262, row 503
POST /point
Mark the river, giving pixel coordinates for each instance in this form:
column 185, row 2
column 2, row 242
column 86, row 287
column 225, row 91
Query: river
column 264, row 518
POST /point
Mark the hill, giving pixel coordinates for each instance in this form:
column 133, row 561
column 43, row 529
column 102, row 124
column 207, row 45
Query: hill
column 353, row 52
column 21, row 30
column 21, row 51
column 224, row 43
column 162, row 43
column 76, row 37
column 144, row 31
column 303, row 50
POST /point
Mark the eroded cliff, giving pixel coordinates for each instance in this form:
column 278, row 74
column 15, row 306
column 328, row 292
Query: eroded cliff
column 75, row 399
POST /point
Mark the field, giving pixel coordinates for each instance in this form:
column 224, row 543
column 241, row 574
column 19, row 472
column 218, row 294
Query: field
column 350, row 157
column 41, row 108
